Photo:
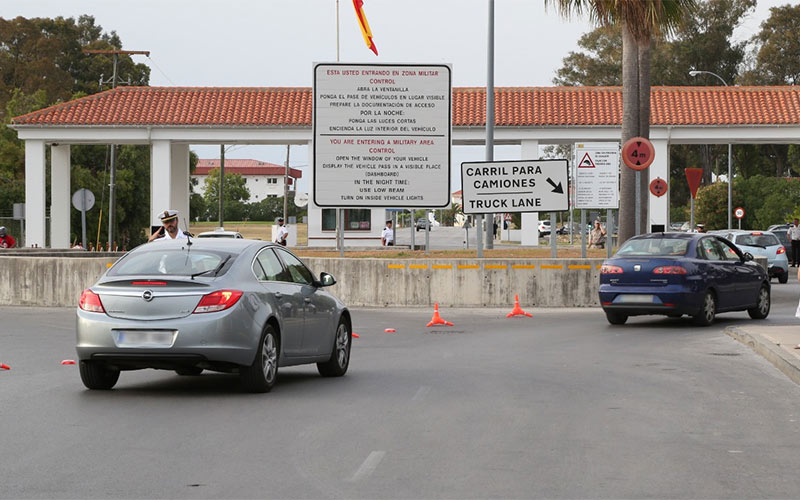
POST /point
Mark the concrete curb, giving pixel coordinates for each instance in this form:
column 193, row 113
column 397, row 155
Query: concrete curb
column 773, row 353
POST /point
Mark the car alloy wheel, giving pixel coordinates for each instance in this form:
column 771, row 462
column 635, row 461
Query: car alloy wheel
column 763, row 304
column 261, row 375
column 269, row 358
column 337, row 365
column 706, row 315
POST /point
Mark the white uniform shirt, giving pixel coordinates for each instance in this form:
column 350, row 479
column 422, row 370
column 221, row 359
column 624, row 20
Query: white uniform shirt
column 282, row 234
column 794, row 233
column 179, row 235
column 387, row 235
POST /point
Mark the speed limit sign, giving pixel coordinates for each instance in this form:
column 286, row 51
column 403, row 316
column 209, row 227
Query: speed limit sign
column 739, row 212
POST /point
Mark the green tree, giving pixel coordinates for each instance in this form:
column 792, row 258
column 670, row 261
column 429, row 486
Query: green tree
column 235, row 196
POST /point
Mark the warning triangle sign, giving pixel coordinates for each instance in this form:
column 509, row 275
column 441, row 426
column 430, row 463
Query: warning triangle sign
column 586, row 162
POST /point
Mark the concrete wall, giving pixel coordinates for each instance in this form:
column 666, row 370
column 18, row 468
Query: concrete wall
column 47, row 281
column 53, row 282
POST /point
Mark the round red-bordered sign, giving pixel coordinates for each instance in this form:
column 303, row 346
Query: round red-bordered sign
column 638, row 153
column 739, row 212
column 658, row 187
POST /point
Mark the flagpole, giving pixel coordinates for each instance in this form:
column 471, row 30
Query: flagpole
column 339, row 213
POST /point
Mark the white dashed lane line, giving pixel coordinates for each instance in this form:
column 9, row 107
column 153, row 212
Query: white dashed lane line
column 369, row 466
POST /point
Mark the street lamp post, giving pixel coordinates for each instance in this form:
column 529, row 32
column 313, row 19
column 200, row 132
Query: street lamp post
column 730, row 149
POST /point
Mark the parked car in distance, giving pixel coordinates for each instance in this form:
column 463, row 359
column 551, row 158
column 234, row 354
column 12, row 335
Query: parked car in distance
column 220, row 233
column 228, row 305
column 762, row 243
column 544, row 228
column 782, row 232
column 677, row 226
column 422, row 224
column 682, row 273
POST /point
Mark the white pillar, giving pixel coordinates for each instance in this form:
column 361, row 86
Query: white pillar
column 60, row 196
column 658, row 208
column 35, row 193
column 315, row 212
column 160, row 180
column 179, row 177
column 530, row 221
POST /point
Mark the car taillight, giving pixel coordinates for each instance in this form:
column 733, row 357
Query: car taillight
column 217, row 301
column 606, row 269
column 669, row 270
column 781, row 249
column 90, row 301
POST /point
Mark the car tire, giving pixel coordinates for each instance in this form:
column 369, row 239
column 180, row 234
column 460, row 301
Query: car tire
column 783, row 278
column 761, row 310
column 97, row 376
column 616, row 318
column 262, row 374
column 189, row 371
column 708, row 312
column 337, row 365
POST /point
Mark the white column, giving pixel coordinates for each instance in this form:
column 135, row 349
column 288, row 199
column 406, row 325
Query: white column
column 35, row 193
column 314, row 212
column 530, row 221
column 179, row 176
column 658, row 208
column 60, row 196
column 160, row 180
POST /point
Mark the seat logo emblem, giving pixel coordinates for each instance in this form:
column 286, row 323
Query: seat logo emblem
column 637, row 267
column 147, row 295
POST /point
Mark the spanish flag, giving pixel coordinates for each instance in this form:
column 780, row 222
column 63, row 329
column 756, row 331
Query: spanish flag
column 362, row 21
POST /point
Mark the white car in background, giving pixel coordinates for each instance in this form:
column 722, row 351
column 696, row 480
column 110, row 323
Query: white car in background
column 761, row 243
column 220, row 233
column 544, row 228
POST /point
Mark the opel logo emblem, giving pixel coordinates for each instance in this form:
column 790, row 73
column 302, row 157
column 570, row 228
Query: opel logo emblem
column 147, row 295
column 637, row 267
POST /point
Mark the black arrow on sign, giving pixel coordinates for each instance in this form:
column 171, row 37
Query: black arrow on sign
column 556, row 189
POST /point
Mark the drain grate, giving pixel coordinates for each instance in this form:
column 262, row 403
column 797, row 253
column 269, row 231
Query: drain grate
column 445, row 332
column 725, row 354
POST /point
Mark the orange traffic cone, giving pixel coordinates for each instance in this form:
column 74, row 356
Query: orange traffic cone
column 4, row 366
column 356, row 336
column 437, row 320
column 517, row 311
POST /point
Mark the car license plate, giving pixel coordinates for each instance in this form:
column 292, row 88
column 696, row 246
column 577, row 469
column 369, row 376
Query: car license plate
column 636, row 299
column 144, row 338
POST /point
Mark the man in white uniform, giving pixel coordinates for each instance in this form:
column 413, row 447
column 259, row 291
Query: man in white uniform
column 283, row 233
column 169, row 228
column 794, row 236
column 387, row 236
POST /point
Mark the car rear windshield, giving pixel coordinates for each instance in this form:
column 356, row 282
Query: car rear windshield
column 176, row 262
column 757, row 240
column 654, row 247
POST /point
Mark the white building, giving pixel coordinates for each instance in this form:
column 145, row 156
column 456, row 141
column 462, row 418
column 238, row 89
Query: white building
column 262, row 179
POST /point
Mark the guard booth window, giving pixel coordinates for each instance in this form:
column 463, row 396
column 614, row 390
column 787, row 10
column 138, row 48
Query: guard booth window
column 354, row 219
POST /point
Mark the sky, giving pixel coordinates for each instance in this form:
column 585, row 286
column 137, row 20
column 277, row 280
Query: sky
column 273, row 43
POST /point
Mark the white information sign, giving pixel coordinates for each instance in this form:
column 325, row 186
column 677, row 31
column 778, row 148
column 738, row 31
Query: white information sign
column 382, row 135
column 597, row 175
column 515, row 186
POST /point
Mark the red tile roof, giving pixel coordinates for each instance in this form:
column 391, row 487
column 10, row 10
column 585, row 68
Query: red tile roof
column 515, row 107
column 245, row 167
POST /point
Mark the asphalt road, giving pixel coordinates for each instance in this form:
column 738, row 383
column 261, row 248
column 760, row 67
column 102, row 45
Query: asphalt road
column 561, row 405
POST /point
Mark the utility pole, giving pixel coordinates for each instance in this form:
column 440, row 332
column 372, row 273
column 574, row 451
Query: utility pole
column 286, row 187
column 221, row 190
column 113, row 176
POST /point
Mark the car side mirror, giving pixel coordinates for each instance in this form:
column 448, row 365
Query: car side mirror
column 326, row 279
column 748, row 256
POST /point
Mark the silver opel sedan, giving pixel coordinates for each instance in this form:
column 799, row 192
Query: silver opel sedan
column 228, row 305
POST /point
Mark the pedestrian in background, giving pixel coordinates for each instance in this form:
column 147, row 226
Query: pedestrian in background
column 283, row 233
column 6, row 240
column 597, row 237
column 387, row 236
column 794, row 237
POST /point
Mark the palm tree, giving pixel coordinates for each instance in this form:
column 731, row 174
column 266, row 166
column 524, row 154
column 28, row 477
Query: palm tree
column 640, row 20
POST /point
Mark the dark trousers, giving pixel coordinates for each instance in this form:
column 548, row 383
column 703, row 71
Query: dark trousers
column 795, row 252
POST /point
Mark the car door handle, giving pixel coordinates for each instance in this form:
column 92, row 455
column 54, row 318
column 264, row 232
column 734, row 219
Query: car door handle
column 278, row 295
column 307, row 300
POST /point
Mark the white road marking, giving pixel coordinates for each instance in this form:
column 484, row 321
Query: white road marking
column 369, row 466
column 421, row 393
column 735, row 451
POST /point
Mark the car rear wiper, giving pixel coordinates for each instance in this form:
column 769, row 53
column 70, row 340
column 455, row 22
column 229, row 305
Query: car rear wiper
column 216, row 270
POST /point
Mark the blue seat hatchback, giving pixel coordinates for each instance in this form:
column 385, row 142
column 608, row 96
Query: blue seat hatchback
column 674, row 274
